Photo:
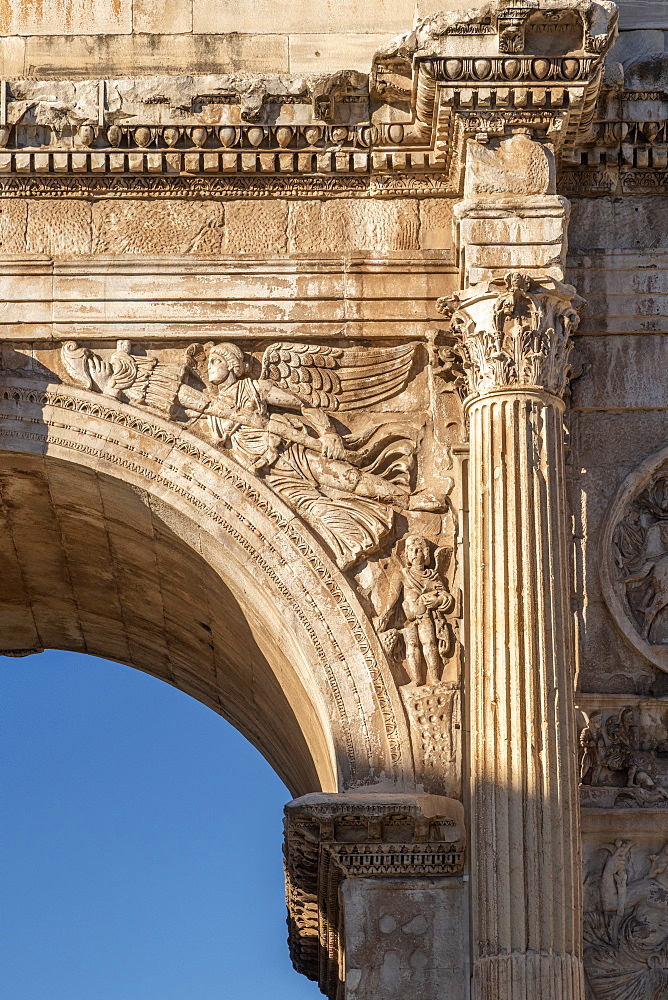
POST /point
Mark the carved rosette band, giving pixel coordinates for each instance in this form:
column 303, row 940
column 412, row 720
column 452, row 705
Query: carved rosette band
column 512, row 332
column 331, row 839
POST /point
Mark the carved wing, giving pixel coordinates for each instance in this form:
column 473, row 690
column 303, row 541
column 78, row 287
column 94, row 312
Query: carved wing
column 442, row 559
column 331, row 378
column 131, row 377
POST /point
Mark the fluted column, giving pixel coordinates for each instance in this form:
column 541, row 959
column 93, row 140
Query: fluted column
column 511, row 339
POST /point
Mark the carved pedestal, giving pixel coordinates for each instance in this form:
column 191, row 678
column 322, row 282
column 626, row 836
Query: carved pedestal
column 512, row 342
column 376, row 900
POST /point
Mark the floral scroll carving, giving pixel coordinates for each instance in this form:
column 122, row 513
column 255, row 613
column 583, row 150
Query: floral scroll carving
column 626, row 925
column 511, row 331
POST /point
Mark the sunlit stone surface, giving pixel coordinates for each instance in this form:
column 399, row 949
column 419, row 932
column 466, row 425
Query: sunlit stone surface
column 332, row 391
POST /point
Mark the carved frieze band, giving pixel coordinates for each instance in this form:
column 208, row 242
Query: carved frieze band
column 457, row 74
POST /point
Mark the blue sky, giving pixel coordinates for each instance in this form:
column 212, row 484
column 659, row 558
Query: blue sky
column 140, row 843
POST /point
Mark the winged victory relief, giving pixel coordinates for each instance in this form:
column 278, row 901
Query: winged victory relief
column 279, row 425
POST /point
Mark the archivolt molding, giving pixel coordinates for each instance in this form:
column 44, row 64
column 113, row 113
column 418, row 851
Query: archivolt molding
column 350, row 667
column 633, row 559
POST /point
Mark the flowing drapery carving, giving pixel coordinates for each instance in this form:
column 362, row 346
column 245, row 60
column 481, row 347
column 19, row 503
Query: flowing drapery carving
column 278, row 425
column 511, row 331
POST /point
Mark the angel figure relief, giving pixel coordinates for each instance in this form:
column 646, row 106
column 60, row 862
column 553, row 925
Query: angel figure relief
column 279, row 426
column 417, row 608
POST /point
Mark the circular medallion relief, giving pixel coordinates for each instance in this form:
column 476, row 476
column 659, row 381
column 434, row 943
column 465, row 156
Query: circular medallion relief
column 633, row 559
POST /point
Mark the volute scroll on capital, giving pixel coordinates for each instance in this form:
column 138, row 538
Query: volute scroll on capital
column 513, row 332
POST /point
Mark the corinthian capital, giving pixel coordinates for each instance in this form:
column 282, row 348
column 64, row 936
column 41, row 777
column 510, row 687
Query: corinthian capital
column 512, row 332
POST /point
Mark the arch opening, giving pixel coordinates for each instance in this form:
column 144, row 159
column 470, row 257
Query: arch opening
column 95, row 565
column 128, row 812
column 126, row 537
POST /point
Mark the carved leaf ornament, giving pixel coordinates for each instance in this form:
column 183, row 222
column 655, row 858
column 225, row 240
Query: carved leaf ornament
column 511, row 332
column 633, row 559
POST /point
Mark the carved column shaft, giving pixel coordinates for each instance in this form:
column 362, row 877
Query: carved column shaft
column 510, row 340
column 525, row 858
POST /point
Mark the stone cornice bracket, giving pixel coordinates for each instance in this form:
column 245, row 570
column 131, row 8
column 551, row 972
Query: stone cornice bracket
column 511, row 333
column 331, row 838
column 502, row 66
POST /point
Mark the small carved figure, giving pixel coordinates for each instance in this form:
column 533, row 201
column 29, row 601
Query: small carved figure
column 619, row 750
column 626, row 929
column 592, row 742
column 623, row 753
column 421, row 598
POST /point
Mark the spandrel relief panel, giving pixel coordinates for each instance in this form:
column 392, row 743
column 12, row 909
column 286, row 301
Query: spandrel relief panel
column 356, row 441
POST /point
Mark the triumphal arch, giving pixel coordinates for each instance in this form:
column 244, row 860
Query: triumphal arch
column 334, row 391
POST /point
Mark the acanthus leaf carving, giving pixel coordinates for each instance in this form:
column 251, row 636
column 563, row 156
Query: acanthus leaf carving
column 511, row 332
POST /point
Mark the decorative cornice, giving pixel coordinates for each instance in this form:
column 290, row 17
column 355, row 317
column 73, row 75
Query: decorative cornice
column 502, row 67
column 512, row 332
column 331, row 837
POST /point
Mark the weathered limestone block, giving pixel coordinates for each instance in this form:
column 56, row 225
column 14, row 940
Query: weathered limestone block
column 512, row 165
column 57, row 227
column 134, row 226
column 256, row 226
column 66, row 17
column 510, row 216
column 436, row 221
column 13, row 218
column 162, row 16
column 346, row 224
column 404, row 938
column 85, row 56
column 637, row 223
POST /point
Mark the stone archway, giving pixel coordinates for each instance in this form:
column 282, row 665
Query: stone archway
column 131, row 539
